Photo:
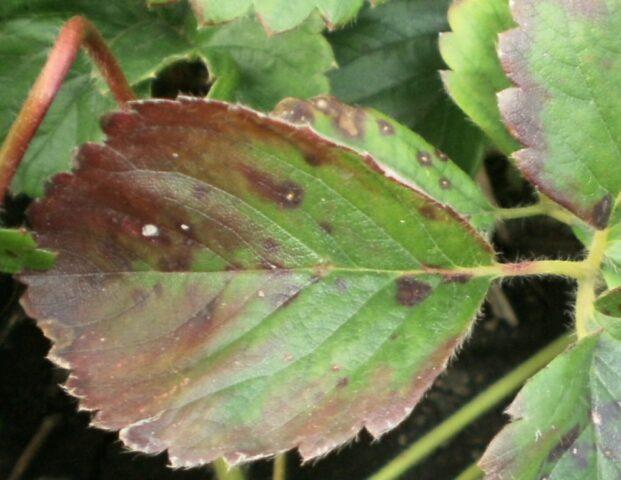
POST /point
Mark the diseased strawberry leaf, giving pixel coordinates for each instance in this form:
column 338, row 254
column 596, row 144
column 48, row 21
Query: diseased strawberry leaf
column 278, row 15
column 232, row 285
column 18, row 251
column 566, row 420
column 397, row 149
column 389, row 60
column 475, row 75
column 247, row 66
column 566, row 109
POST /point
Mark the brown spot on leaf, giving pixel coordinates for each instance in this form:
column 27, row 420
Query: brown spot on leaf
column 424, row 158
column 343, row 382
column 411, row 292
column 348, row 120
column 564, row 443
column 271, row 245
column 313, row 159
column 295, row 111
column 385, row 128
column 442, row 156
column 428, row 211
column 601, row 212
column 445, row 183
column 341, row 285
column 286, row 194
column 326, row 227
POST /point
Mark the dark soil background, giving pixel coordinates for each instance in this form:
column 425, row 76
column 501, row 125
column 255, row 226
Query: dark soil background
column 31, row 401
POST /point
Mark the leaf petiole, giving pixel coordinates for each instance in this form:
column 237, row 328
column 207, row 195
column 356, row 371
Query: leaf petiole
column 78, row 32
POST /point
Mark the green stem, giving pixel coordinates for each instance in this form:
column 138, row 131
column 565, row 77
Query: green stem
column 585, row 296
column 543, row 207
column 473, row 472
column 76, row 33
column 471, row 411
column 226, row 472
column 280, row 467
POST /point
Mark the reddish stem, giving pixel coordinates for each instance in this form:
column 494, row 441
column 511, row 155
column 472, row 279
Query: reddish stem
column 76, row 33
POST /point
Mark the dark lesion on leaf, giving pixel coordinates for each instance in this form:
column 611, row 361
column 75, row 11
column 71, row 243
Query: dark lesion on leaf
column 346, row 119
column 295, row 111
column 411, row 292
column 601, row 212
column 563, row 444
column 326, row 227
column 424, row 158
column 428, row 211
column 385, row 128
column 457, row 278
column 343, row 382
column 286, row 193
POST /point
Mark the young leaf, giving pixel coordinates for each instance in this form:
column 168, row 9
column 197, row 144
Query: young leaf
column 18, row 251
column 475, row 75
column 247, row 66
column 232, row 285
column 277, row 15
column 396, row 148
column 566, row 109
column 389, row 60
column 566, row 420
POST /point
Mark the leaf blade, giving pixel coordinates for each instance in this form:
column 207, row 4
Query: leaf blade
column 258, row 282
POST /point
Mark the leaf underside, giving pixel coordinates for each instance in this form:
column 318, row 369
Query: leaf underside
column 566, row 420
column 566, row 109
column 277, row 15
column 397, row 149
column 233, row 285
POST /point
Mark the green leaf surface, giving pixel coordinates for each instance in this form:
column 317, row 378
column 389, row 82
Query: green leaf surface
column 247, row 65
column 476, row 75
column 566, row 420
column 389, row 60
column 18, row 251
column 396, row 148
column 233, row 285
column 566, row 110
column 277, row 15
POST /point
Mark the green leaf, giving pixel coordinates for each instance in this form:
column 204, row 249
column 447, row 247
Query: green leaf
column 566, row 420
column 476, row 76
column 233, row 285
column 566, row 109
column 18, row 251
column 389, row 60
column 248, row 67
column 397, row 149
column 277, row 15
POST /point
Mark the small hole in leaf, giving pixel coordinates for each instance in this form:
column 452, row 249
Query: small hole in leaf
column 185, row 77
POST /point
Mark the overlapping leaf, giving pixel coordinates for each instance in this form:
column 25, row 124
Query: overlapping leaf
column 19, row 251
column 567, row 420
column 397, row 148
column 565, row 59
column 278, row 15
column 389, row 60
column 233, row 285
column 476, row 75
column 247, row 66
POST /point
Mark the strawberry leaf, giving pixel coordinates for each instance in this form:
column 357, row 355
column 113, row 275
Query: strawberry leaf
column 397, row 148
column 566, row 108
column 566, row 420
column 277, row 15
column 389, row 60
column 247, row 66
column 475, row 75
column 18, row 251
column 229, row 284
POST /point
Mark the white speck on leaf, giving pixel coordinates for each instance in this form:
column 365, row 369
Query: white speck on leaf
column 184, row 227
column 150, row 230
column 597, row 418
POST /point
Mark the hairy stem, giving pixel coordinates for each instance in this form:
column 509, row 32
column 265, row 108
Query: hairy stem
column 76, row 33
column 543, row 207
column 280, row 467
column 471, row 411
column 585, row 296
column 225, row 472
